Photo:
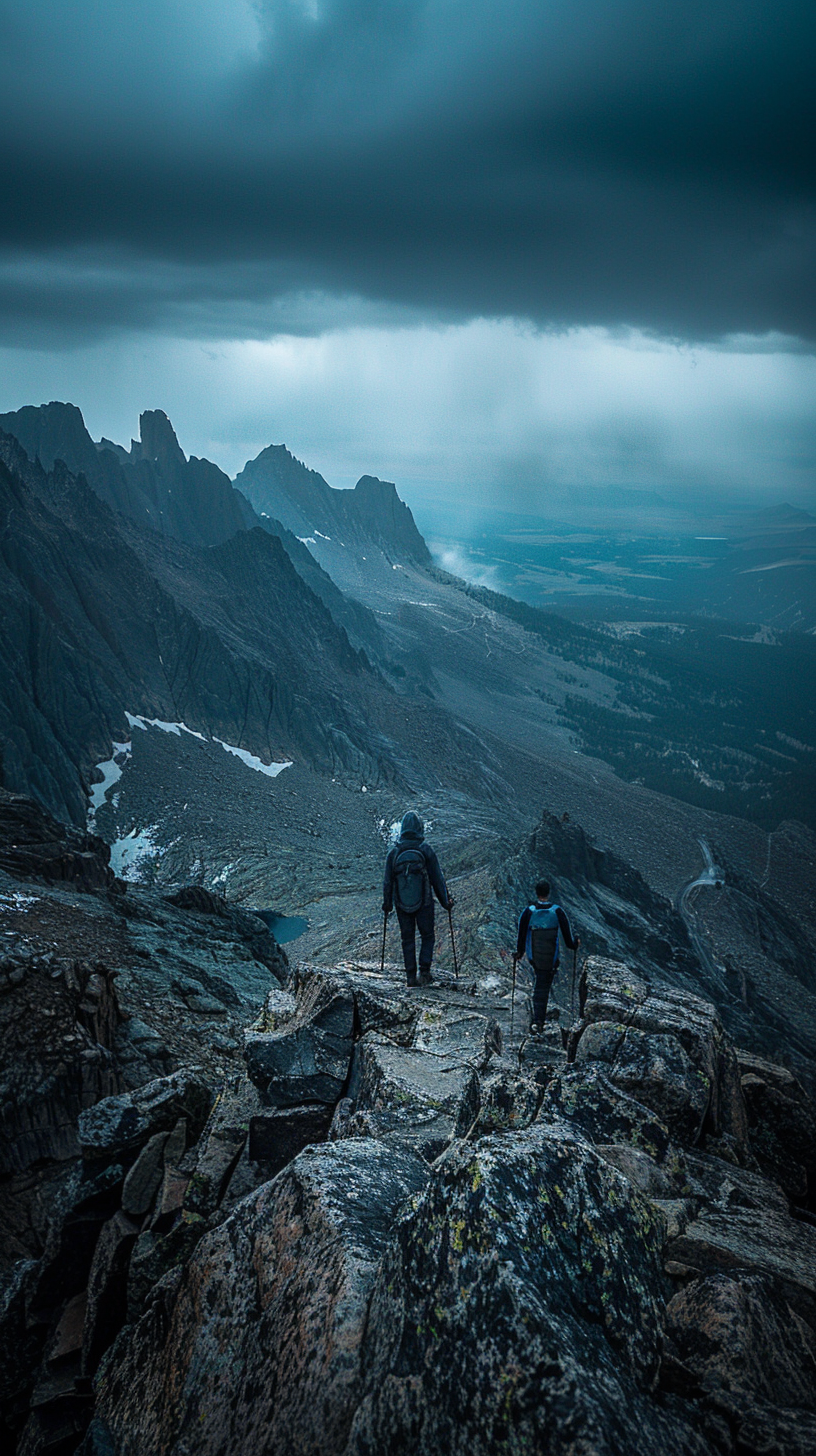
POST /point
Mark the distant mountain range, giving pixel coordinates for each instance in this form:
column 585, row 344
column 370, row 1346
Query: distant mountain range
column 192, row 500
column 143, row 581
column 296, row 621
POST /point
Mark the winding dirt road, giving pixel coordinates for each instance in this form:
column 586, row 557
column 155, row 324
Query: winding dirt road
column 711, row 877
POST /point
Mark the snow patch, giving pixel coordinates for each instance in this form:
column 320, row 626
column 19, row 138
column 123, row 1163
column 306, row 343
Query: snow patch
column 307, row 540
column 322, row 537
column 270, row 769
column 178, row 728
column 129, row 854
column 111, row 772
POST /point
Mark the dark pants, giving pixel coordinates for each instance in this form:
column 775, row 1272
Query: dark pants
column 422, row 921
column 541, row 993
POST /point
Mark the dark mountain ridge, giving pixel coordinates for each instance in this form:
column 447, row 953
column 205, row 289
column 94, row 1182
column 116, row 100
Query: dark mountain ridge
column 157, row 487
column 92, row 628
column 277, row 483
column 154, row 483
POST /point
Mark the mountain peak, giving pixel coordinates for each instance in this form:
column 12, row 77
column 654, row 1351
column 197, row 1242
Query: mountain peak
column 54, row 431
column 385, row 515
column 159, row 440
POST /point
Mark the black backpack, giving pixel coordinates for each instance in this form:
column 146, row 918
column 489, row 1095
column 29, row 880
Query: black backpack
column 412, row 887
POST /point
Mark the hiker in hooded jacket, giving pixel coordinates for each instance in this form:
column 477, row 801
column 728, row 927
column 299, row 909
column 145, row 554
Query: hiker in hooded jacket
column 412, row 878
column 540, row 929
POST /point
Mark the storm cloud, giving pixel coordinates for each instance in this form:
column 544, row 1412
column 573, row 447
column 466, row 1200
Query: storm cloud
column 222, row 168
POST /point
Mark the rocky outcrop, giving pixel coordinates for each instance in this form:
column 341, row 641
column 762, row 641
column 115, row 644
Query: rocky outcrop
column 462, row 1242
column 235, row 922
column 58, row 1025
column 666, row 1049
column 154, row 483
column 259, row 1346
column 109, row 1175
column 34, row 845
column 519, row 1306
column 308, row 1060
column 101, row 617
column 372, row 514
column 119, row 1126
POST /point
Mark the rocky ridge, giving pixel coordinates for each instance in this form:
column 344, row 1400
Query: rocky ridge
column 153, row 483
column 280, row 486
column 448, row 1234
column 100, row 622
column 386, row 1219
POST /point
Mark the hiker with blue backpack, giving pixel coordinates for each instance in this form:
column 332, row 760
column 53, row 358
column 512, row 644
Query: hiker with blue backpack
column 412, row 878
column 540, row 929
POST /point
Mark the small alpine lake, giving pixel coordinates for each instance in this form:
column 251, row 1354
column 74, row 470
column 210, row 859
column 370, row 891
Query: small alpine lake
column 283, row 927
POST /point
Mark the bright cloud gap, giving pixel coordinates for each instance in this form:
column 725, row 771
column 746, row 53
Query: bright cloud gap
column 492, row 406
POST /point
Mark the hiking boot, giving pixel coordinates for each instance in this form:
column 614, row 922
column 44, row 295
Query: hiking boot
column 536, row 1028
column 425, row 978
column 411, row 979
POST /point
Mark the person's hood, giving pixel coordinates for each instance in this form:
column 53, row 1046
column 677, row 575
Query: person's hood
column 412, row 828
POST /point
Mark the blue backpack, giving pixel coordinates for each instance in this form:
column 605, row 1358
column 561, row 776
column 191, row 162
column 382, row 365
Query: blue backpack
column 542, row 937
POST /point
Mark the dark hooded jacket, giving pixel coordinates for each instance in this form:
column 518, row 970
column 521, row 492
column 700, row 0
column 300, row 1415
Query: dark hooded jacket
column 412, row 836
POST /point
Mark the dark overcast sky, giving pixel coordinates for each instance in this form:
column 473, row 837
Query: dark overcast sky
column 217, row 169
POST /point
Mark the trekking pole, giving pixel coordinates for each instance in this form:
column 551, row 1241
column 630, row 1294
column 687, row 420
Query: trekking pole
column 513, row 1000
column 382, row 957
column 453, row 946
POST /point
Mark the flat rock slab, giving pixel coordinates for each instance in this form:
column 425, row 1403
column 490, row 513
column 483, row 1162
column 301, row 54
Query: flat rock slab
column 408, row 1094
column 379, row 1005
column 107, row 1289
column 456, row 1035
column 145, row 1177
column 221, row 1144
column 260, row 1350
column 731, row 1188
